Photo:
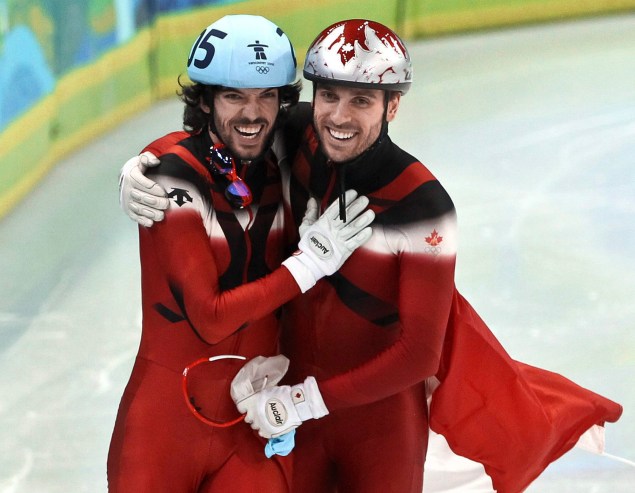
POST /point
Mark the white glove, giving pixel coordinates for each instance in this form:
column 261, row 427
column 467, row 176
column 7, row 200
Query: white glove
column 257, row 374
column 327, row 242
column 310, row 216
column 141, row 198
column 272, row 410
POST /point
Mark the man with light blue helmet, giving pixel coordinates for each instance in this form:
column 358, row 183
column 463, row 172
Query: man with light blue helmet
column 226, row 55
column 214, row 272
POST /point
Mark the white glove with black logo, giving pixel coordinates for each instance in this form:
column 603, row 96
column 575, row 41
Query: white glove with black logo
column 270, row 410
column 327, row 242
column 141, row 198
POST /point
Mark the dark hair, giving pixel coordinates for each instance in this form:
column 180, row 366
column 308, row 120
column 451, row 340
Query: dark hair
column 195, row 119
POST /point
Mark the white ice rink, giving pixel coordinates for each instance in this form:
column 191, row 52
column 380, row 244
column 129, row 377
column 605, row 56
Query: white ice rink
column 531, row 130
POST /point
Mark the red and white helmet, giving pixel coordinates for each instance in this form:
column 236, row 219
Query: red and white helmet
column 359, row 53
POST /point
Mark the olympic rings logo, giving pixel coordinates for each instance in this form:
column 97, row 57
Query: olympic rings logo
column 262, row 70
column 433, row 250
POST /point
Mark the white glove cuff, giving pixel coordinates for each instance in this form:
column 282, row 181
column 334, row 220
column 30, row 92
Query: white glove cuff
column 301, row 271
column 308, row 400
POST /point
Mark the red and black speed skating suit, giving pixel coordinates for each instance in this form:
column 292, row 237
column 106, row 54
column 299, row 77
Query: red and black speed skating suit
column 373, row 332
column 211, row 285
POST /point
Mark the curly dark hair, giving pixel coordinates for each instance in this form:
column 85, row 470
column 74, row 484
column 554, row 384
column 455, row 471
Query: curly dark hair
column 195, row 119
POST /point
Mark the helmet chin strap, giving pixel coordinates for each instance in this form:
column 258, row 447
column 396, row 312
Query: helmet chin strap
column 384, row 121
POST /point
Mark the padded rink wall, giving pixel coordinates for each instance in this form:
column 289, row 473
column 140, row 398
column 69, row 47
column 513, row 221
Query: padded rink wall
column 72, row 69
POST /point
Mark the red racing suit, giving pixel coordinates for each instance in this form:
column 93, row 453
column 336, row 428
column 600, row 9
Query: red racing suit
column 211, row 285
column 372, row 333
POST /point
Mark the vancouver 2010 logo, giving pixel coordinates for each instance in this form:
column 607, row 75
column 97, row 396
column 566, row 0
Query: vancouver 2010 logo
column 260, row 56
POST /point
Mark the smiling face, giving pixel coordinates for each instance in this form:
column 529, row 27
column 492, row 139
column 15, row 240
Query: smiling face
column 244, row 119
column 348, row 120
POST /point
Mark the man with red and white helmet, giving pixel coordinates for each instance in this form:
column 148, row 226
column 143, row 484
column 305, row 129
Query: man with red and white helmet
column 369, row 338
column 214, row 271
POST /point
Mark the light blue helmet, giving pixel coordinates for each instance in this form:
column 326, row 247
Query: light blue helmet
column 243, row 52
